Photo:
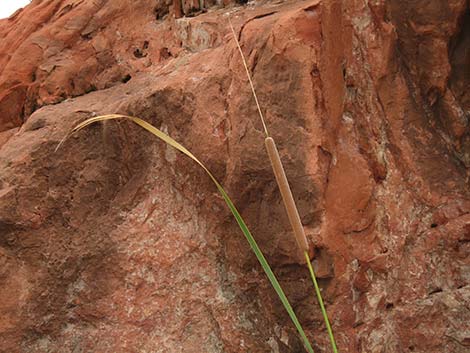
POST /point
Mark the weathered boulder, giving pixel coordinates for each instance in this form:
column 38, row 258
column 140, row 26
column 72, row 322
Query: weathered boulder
column 117, row 243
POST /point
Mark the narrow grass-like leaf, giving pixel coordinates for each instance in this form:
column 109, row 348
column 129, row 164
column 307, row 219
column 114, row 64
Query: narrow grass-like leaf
column 241, row 223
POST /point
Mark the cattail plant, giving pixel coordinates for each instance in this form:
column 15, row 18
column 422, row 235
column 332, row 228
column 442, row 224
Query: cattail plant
column 285, row 192
column 288, row 199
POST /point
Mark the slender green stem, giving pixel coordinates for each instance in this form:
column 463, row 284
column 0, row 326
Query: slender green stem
column 320, row 301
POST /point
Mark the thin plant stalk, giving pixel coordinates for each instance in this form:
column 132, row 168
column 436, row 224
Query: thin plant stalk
column 241, row 223
column 287, row 197
column 253, row 91
column 320, row 301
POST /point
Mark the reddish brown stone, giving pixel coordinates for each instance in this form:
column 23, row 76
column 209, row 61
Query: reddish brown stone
column 117, row 243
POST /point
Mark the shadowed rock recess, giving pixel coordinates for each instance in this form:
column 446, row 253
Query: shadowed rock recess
column 117, row 243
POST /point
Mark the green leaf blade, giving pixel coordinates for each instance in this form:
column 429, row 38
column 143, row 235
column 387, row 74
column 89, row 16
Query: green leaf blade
column 241, row 223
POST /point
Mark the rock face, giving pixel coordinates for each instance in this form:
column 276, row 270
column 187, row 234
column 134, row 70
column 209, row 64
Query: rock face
column 117, row 243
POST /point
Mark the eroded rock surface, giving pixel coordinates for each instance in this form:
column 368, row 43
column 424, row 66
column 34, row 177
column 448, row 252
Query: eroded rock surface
column 117, row 243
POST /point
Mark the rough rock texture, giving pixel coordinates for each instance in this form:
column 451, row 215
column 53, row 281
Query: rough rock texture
column 116, row 243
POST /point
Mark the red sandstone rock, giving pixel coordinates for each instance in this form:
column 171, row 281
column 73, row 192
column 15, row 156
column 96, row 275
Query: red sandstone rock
column 116, row 243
